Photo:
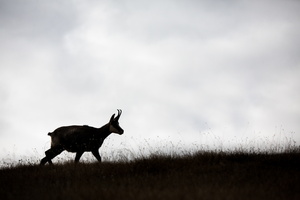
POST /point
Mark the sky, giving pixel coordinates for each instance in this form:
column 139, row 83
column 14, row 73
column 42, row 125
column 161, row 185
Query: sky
column 185, row 73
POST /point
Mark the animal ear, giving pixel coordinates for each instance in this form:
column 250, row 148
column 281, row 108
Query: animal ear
column 112, row 118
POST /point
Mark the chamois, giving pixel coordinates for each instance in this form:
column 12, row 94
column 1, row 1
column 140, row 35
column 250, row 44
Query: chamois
column 80, row 139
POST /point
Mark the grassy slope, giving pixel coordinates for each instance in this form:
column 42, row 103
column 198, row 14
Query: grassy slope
column 205, row 175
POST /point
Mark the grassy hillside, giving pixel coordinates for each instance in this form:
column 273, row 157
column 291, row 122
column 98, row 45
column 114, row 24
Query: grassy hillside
column 202, row 175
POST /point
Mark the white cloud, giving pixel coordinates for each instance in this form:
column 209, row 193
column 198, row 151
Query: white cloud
column 176, row 69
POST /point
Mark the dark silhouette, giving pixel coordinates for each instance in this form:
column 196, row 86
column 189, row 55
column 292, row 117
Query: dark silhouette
column 80, row 139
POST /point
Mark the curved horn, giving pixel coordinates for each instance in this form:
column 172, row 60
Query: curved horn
column 119, row 114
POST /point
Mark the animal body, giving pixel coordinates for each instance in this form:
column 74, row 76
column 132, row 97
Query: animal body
column 80, row 139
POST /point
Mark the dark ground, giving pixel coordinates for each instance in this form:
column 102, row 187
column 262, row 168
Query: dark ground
column 203, row 175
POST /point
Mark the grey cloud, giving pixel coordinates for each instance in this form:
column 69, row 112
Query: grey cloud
column 189, row 67
column 34, row 19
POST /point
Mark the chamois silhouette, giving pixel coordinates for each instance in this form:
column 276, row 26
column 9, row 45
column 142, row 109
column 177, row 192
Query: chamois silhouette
column 80, row 139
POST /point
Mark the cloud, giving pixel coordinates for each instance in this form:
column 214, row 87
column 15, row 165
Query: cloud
column 184, row 68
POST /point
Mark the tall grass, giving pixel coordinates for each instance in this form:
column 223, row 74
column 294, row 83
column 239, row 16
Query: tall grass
column 165, row 171
column 143, row 148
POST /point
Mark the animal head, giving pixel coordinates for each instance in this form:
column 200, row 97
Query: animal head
column 114, row 126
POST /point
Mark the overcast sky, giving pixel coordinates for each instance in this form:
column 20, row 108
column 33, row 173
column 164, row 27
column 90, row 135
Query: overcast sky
column 182, row 71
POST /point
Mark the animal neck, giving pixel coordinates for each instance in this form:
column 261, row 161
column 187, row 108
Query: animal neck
column 104, row 131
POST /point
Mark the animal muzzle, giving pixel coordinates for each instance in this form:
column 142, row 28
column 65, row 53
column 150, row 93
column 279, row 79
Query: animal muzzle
column 120, row 131
column 116, row 129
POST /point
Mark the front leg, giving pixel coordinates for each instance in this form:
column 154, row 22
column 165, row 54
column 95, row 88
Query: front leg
column 78, row 155
column 97, row 155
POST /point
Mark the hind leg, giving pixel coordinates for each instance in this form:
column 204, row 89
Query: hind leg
column 50, row 154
